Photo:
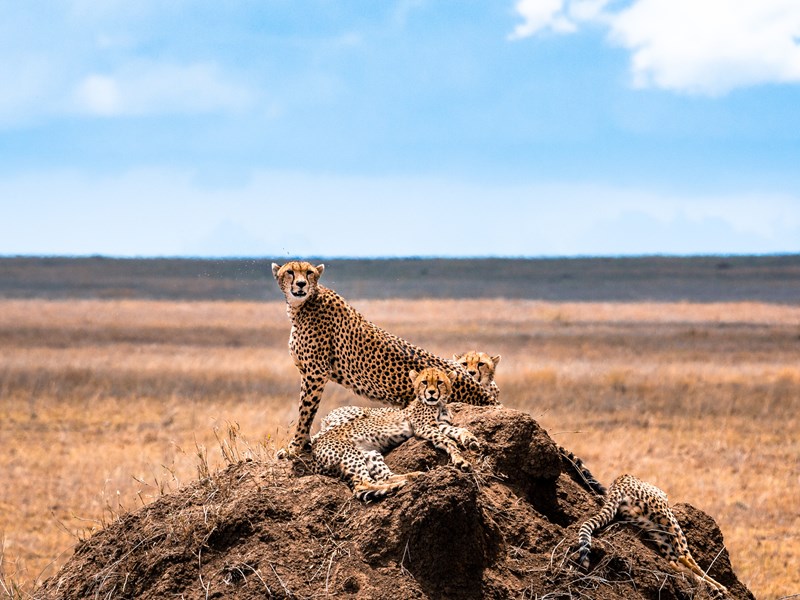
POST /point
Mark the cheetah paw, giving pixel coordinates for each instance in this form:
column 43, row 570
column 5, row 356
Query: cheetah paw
column 469, row 441
column 293, row 450
column 462, row 465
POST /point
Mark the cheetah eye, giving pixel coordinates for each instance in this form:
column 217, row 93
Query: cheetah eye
column 424, row 382
column 289, row 272
column 309, row 273
column 481, row 364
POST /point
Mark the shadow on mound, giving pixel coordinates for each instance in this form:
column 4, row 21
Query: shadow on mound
column 261, row 530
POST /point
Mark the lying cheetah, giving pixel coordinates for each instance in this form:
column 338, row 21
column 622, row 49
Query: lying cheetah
column 648, row 507
column 479, row 365
column 482, row 367
column 330, row 340
column 353, row 448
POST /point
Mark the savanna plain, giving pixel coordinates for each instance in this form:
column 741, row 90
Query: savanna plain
column 109, row 403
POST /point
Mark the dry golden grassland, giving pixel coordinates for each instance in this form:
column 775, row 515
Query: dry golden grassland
column 105, row 402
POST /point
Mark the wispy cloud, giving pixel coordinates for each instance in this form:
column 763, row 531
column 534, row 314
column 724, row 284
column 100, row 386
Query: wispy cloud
column 541, row 15
column 111, row 59
column 146, row 88
column 705, row 47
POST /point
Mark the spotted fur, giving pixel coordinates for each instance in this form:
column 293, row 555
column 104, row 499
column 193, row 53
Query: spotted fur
column 481, row 367
column 352, row 443
column 330, row 340
column 583, row 472
column 482, row 373
column 648, row 507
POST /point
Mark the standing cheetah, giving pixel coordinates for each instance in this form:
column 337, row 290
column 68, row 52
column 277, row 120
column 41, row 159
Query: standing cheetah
column 353, row 448
column 647, row 506
column 330, row 340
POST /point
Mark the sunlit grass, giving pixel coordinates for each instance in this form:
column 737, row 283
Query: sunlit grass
column 104, row 404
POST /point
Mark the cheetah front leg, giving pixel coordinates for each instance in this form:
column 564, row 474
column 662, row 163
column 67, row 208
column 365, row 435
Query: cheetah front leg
column 461, row 435
column 443, row 442
column 311, row 388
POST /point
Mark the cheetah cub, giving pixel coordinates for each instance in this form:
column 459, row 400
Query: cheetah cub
column 481, row 367
column 353, row 439
column 646, row 506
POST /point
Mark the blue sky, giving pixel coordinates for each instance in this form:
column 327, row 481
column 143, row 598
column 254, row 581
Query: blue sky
column 434, row 128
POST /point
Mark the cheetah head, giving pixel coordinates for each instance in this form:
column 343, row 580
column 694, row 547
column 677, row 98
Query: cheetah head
column 479, row 365
column 432, row 386
column 298, row 280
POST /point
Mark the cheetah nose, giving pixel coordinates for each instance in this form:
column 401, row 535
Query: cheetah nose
column 301, row 284
column 472, row 373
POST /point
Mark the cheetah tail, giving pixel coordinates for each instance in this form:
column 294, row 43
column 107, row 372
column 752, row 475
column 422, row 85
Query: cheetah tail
column 584, row 473
column 601, row 519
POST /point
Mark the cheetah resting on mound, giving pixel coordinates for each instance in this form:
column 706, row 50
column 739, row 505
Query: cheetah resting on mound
column 482, row 367
column 479, row 365
column 352, row 448
column 646, row 506
column 330, row 340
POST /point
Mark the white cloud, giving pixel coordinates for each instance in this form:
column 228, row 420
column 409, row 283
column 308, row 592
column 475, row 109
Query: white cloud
column 540, row 15
column 696, row 46
column 99, row 95
column 151, row 88
column 711, row 46
column 112, row 58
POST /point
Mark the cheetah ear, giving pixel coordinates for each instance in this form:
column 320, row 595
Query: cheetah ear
column 452, row 376
column 457, row 357
column 496, row 359
column 413, row 374
column 275, row 268
column 320, row 268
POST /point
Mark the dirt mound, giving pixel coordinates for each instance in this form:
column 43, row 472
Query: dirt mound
column 257, row 530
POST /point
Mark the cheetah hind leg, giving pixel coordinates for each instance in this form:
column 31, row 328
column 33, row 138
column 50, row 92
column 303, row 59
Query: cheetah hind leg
column 357, row 466
column 381, row 473
column 378, row 470
column 688, row 563
column 367, row 490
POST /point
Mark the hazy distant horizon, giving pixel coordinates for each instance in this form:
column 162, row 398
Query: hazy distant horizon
column 398, row 257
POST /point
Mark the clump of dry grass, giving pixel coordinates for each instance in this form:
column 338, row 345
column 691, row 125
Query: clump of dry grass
column 107, row 404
